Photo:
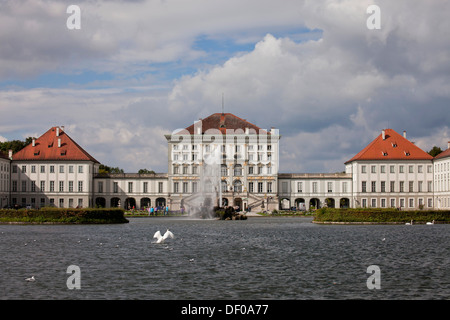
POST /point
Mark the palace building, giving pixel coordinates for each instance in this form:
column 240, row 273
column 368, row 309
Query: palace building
column 234, row 163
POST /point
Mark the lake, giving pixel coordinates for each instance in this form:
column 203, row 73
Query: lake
column 274, row 258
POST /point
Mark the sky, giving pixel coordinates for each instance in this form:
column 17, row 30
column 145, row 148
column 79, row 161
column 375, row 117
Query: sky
column 137, row 70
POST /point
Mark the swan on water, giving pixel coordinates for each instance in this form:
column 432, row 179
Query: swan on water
column 432, row 222
column 30, row 279
column 409, row 223
column 161, row 238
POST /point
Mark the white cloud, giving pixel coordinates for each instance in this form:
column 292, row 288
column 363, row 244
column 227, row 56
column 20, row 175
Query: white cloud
column 329, row 97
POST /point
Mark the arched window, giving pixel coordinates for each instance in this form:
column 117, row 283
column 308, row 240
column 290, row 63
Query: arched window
column 237, row 186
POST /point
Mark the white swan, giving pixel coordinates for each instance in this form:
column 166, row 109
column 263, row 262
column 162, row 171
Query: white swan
column 30, row 279
column 409, row 223
column 430, row 222
column 164, row 237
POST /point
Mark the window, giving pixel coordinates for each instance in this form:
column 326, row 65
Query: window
column 383, row 203
column 70, row 186
column 363, row 169
column 392, row 186
column 52, row 169
column 194, row 186
column 61, row 203
column 392, row 203
column 130, row 187
column 70, row 169
column 411, row 186
column 237, row 186
column 315, row 187
column 61, row 186
column 175, row 187
column 363, row 186
column 80, row 186
column 383, row 169
column 401, row 169
column 383, row 186
column 430, row 202
column 364, row 203
column 24, row 186
column 284, row 187
column 420, row 169
column 260, row 187
column 402, row 186
column 145, row 187
column 24, row 169
column 330, row 186
column 429, row 169
column 299, row 186
column 411, row 202
column 100, row 187
column 392, row 169
column 42, row 169
column 185, row 187
column 33, row 169
column 402, row 203
column 430, row 186
column 411, row 169
column 224, row 170
column 61, row 169
column 344, row 187
column 374, row 203
column 420, row 186
column 250, row 187
column 373, row 169
column 52, row 186
column 250, row 170
column 374, row 186
column 269, row 187
column 160, row 187
column 80, row 169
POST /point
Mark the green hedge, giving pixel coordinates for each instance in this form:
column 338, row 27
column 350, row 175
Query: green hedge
column 63, row 215
column 380, row 215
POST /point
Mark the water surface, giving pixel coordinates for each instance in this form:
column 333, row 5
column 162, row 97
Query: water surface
column 258, row 258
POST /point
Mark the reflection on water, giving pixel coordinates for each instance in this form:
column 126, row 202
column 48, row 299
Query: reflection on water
column 258, row 258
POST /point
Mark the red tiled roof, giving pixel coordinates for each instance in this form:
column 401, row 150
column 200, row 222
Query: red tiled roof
column 443, row 154
column 224, row 122
column 393, row 147
column 51, row 146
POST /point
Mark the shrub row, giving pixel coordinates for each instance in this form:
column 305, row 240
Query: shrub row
column 64, row 215
column 380, row 215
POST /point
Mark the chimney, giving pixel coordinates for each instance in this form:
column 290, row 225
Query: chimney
column 247, row 130
column 448, row 145
column 404, row 134
column 383, row 134
column 62, row 128
column 59, row 142
column 57, row 131
column 33, row 142
column 10, row 154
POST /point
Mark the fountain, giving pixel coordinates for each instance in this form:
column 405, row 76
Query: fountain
column 208, row 195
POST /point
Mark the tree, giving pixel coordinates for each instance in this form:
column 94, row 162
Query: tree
column 14, row 145
column 105, row 169
column 435, row 151
column 145, row 171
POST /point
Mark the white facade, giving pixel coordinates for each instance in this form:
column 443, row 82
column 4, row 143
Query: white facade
column 389, row 172
column 63, row 184
column 392, row 184
column 4, row 180
column 442, row 180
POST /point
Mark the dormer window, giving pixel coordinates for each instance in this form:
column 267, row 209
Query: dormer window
column 36, row 153
column 394, row 144
column 407, row 153
column 63, row 152
column 384, row 153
